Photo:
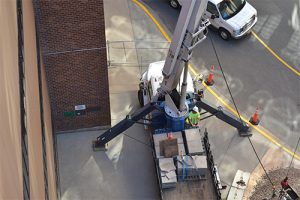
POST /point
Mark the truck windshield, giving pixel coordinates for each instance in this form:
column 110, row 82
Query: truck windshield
column 229, row 8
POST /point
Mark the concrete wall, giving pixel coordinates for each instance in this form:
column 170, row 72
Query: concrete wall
column 11, row 179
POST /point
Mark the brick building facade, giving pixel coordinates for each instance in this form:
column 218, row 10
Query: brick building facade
column 72, row 35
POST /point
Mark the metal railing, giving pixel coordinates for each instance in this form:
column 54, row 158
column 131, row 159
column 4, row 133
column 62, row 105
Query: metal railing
column 136, row 54
column 211, row 164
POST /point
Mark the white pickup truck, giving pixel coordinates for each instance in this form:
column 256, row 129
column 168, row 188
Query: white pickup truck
column 232, row 18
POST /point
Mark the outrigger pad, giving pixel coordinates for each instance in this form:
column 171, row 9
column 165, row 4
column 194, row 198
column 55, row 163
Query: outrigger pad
column 245, row 134
column 98, row 147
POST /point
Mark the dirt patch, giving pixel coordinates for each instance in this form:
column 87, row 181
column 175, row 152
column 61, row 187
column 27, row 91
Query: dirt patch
column 276, row 163
column 263, row 189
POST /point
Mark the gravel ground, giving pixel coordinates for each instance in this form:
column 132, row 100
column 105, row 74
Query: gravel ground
column 263, row 188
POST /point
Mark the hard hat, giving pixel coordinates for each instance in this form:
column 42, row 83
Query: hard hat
column 196, row 109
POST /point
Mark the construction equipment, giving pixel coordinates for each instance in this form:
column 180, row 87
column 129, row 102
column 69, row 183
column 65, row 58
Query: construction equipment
column 190, row 31
column 169, row 105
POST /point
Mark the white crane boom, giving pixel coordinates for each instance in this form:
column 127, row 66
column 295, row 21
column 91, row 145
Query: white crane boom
column 190, row 31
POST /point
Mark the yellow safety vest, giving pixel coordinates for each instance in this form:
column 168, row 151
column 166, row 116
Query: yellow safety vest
column 194, row 117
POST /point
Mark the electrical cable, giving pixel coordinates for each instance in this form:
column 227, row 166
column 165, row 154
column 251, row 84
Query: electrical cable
column 215, row 51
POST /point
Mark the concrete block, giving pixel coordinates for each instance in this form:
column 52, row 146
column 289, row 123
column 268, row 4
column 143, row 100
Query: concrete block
column 167, row 172
column 166, row 164
column 191, row 167
column 192, row 135
column 169, row 180
column 195, row 147
column 200, row 162
column 178, row 135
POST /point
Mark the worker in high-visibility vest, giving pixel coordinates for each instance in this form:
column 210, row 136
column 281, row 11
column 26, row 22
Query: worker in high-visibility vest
column 194, row 117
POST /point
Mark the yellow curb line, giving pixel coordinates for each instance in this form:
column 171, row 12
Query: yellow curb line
column 153, row 19
column 266, row 135
column 192, row 69
column 275, row 55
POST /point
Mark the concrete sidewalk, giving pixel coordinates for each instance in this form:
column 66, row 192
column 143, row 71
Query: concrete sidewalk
column 126, row 170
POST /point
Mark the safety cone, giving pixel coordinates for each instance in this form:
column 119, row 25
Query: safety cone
column 255, row 118
column 209, row 81
column 170, row 136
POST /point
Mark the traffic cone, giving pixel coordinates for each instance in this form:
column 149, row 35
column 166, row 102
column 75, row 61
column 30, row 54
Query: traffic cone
column 255, row 118
column 209, row 81
column 170, row 136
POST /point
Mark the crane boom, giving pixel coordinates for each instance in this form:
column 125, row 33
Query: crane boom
column 190, row 31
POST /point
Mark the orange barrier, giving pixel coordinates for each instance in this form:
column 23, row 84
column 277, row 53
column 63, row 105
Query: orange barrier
column 209, row 81
column 255, row 118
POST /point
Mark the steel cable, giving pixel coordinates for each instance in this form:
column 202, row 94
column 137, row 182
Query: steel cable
column 215, row 51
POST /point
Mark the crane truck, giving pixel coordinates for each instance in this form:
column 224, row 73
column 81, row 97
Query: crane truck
column 183, row 159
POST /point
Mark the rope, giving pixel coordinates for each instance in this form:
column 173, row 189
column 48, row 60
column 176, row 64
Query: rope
column 215, row 51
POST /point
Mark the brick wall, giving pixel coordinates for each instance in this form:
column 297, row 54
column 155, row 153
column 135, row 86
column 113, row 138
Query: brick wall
column 73, row 47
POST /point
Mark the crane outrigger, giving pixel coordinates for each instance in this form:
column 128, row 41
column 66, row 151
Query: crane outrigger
column 190, row 31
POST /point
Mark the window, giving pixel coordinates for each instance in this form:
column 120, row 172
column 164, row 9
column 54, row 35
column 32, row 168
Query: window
column 229, row 8
column 211, row 8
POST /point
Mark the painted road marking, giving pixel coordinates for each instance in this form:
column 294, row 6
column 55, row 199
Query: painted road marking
column 192, row 69
column 161, row 29
column 275, row 55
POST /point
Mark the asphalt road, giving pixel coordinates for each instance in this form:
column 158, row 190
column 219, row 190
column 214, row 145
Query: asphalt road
column 255, row 76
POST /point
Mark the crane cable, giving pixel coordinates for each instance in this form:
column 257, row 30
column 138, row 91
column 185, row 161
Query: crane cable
column 215, row 51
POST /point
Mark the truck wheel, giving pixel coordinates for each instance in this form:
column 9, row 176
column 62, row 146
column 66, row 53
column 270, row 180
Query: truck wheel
column 141, row 98
column 225, row 35
column 174, row 4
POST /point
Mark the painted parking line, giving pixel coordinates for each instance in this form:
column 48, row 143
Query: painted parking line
column 275, row 55
column 194, row 72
